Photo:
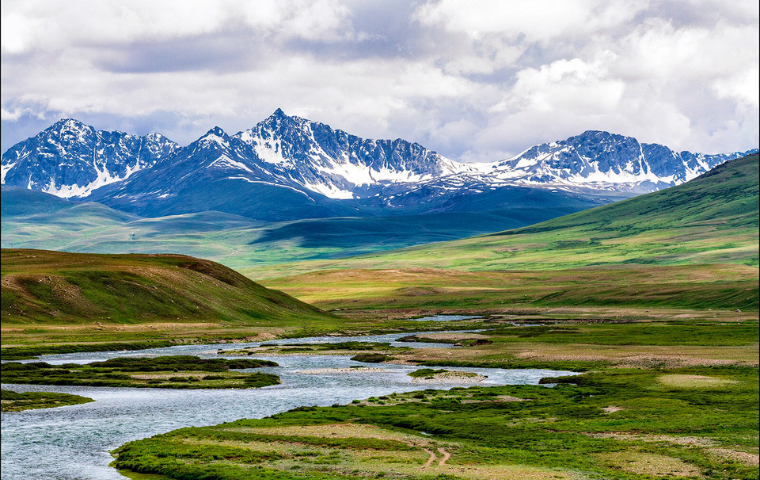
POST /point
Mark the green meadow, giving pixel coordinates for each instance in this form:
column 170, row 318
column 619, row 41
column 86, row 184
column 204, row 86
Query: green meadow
column 712, row 219
column 666, row 397
column 33, row 220
column 698, row 422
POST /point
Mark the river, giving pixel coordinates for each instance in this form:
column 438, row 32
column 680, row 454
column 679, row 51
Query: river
column 73, row 442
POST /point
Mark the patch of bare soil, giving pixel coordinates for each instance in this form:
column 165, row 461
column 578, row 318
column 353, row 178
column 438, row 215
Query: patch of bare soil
column 446, row 456
column 454, row 336
column 500, row 398
column 685, row 441
column 748, row 459
column 650, row 464
column 430, row 460
column 694, row 381
column 612, row 409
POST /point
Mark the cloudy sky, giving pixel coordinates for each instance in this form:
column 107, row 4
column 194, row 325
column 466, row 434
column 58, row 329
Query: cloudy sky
column 473, row 80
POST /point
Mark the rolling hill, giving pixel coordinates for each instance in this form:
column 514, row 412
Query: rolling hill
column 711, row 219
column 45, row 288
column 32, row 219
column 693, row 246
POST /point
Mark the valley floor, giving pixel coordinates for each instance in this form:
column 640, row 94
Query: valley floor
column 668, row 397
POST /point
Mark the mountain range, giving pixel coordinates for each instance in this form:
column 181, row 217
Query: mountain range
column 290, row 168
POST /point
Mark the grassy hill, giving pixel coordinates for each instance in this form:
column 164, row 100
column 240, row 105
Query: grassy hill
column 694, row 246
column 42, row 221
column 111, row 297
column 711, row 219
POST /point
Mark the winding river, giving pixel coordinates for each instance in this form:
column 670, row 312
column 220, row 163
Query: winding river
column 73, row 442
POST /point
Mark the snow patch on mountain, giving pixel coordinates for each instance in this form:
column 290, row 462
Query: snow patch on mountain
column 226, row 162
column 4, row 169
column 71, row 159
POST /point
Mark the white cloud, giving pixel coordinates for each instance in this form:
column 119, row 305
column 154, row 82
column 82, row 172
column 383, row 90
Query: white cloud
column 565, row 85
column 54, row 26
column 537, row 20
column 475, row 80
column 743, row 87
column 322, row 20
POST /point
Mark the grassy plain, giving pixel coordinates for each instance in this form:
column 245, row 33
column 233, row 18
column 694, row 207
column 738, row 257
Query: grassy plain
column 666, row 394
column 619, row 424
column 662, row 397
column 697, row 287
column 180, row 371
column 712, row 219
column 17, row 402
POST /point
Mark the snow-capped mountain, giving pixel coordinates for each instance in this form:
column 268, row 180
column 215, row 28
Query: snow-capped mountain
column 312, row 169
column 71, row 159
column 598, row 160
column 335, row 163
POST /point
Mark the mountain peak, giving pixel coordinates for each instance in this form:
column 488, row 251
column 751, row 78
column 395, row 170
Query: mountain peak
column 281, row 118
column 216, row 131
column 69, row 122
column 70, row 125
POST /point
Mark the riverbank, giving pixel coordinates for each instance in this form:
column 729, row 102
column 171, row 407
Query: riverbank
column 578, row 429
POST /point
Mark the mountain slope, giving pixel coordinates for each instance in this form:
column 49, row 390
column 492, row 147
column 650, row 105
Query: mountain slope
column 43, row 287
column 38, row 220
column 604, row 161
column 711, row 219
column 212, row 174
column 71, row 159
column 289, row 168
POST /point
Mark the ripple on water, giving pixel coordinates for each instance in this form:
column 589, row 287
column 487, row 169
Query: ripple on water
column 74, row 441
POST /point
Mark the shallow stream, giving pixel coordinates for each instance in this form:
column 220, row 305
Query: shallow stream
column 73, row 442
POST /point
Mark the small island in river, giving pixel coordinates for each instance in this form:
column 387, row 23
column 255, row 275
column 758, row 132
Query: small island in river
column 17, row 402
column 178, row 371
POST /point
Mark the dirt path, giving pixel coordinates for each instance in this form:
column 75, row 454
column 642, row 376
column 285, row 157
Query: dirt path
column 430, row 460
column 446, row 456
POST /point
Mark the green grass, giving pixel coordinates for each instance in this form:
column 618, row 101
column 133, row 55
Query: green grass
column 59, row 287
column 425, row 373
column 712, row 219
column 672, row 333
column 645, row 287
column 340, row 348
column 161, row 372
column 596, row 424
column 17, row 402
column 670, row 397
column 41, row 221
column 65, row 301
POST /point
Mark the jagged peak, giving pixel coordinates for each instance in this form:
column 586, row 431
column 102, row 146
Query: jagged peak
column 70, row 124
column 215, row 135
column 279, row 117
column 155, row 136
column 217, row 132
column 597, row 134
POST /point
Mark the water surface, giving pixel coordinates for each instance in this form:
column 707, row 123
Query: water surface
column 73, row 442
